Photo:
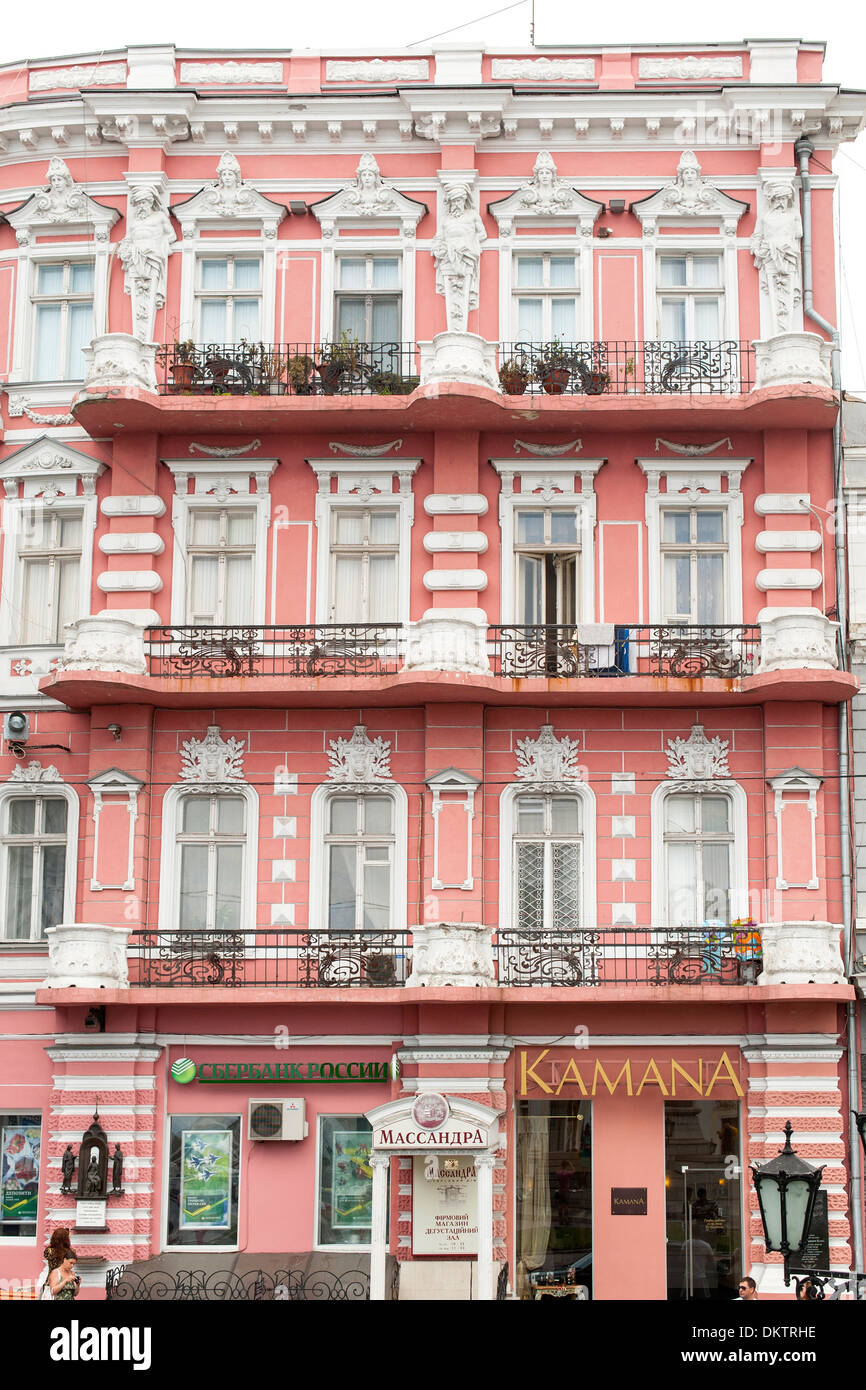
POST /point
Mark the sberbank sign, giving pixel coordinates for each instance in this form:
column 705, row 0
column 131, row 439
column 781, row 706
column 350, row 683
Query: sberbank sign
column 277, row 1073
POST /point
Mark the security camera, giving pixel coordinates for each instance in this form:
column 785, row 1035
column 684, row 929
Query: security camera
column 16, row 731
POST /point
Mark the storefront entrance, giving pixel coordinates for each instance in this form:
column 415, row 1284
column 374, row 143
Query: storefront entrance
column 703, row 1199
column 554, row 1199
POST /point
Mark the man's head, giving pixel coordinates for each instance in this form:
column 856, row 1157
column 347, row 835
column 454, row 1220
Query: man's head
column 748, row 1288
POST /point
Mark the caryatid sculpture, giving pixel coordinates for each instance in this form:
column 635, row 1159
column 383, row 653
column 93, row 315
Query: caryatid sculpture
column 457, row 253
column 368, row 194
column 775, row 246
column 228, row 196
column 144, row 255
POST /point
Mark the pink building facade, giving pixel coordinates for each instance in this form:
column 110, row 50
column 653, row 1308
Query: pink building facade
column 420, row 662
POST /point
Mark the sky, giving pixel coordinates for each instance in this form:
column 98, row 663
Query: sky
column 64, row 28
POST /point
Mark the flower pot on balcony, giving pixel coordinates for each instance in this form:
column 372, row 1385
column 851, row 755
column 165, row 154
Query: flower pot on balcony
column 513, row 377
column 182, row 375
column 554, row 380
column 596, row 383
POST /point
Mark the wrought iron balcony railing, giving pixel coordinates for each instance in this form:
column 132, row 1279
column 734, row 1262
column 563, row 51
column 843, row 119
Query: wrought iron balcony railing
column 618, row 367
column 342, row 368
column 268, row 957
column 594, row 957
column 657, row 649
column 331, row 649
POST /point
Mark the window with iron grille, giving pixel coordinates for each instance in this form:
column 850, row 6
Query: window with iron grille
column 548, row 847
column 34, row 855
column 694, row 557
column 212, row 844
column 359, row 849
column 698, row 841
column 62, row 319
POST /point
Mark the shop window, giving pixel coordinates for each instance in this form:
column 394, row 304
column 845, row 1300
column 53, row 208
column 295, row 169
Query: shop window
column 554, row 1197
column 20, row 1154
column 703, row 1200
column 203, row 1179
column 34, row 831
column 345, row 1195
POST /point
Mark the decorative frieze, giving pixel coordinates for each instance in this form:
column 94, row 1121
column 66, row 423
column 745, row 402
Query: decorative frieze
column 690, row 69
column 78, row 77
column 378, row 70
column 231, row 74
column 543, row 69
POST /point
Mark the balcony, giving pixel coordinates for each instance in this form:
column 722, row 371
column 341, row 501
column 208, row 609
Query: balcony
column 622, row 368
column 670, row 650
column 327, row 650
column 287, row 369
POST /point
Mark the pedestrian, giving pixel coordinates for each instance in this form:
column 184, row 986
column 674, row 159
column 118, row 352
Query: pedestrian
column 748, row 1290
column 53, row 1255
column 63, row 1281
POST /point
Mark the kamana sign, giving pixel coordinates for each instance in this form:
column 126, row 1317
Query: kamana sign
column 277, row 1073
column 549, row 1073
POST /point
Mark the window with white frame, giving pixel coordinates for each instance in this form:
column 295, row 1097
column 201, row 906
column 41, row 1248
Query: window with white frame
column 545, row 297
column 211, row 842
column 694, row 557
column 690, row 297
column 365, row 544
column 548, row 847
column 359, row 854
column 49, row 558
column 368, row 301
column 62, row 303
column 229, row 298
column 220, row 563
column 34, row 841
column 547, row 565
column 698, row 849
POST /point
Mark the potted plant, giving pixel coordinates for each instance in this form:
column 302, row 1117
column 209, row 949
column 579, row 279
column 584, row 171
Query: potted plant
column 514, row 376
column 335, row 360
column 183, row 365
column 299, row 370
column 272, row 368
column 553, row 367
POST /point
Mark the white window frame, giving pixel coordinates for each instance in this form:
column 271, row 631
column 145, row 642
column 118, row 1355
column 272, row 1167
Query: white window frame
column 45, row 786
column 319, row 820
column 220, row 485
column 64, row 298
column 546, row 483
column 508, row 829
column 169, row 876
column 739, row 846
column 692, row 483
column 49, row 552
column 547, row 293
column 364, row 550
column 367, row 484
column 229, row 294
column 691, row 292
column 547, row 840
column 216, row 551
column 369, row 294
column 693, row 549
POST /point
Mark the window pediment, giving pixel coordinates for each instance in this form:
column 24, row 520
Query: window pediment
column 548, row 197
column 63, row 206
column 368, row 199
column 49, row 469
column 229, row 199
column 689, row 197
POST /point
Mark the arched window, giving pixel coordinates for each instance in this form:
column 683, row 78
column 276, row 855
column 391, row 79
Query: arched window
column 547, row 858
column 38, row 832
column 358, row 859
column 699, row 855
column 209, row 862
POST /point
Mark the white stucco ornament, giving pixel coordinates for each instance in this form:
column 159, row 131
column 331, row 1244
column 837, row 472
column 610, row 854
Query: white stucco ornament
column 775, row 245
column 213, row 759
column 547, row 758
column 143, row 253
column 368, row 194
column 697, row 759
column 87, row 955
column 793, row 359
column 34, row 772
column 359, row 759
column 546, row 192
column 456, row 250
column 690, row 192
column 801, row 953
column 62, row 201
column 797, row 638
column 451, row 953
column 104, row 644
column 228, row 196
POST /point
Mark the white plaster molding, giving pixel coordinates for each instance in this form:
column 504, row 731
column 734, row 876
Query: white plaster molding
column 232, row 74
column 367, row 197
column 453, row 784
column 801, row 953
column 77, row 77
column 771, row 542
column 793, row 359
column 543, row 69
column 213, row 760
column 115, row 785
column 790, row 789
column 442, row 581
column 64, row 203
column 458, row 954
column 359, row 759
column 366, row 451
column 788, row 579
column 797, row 638
column 225, row 451
column 47, row 469
column 548, row 451
column 697, row 759
column 131, row 543
column 546, row 196
column 228, row 198
column 690, row 69
column 129, row 581
column 119, row 361
column 34, row 774
column 87, row 955
column 133, row 504
column 455, row 542
column 548, row 760
column 378, row 70
column 782, row 503
column 694, row 450
column 689, row 195
column 456, row 503
column 458, row 356
column 444, row 641
column 104, row 643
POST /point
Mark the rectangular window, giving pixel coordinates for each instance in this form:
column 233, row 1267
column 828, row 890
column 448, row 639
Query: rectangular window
column 203, row 1179
column 220, row 563
column 229, row 299
column 554, row 1198
column 49, row 551
column 212, row 839
column 547, row 550
column 360, row 856
column 545, row 298
column 691, row 298
column 547, row 849
column 694, row 565
column 34, row 852
column 368, row 299
column 703, row 1199
column 364, row 572
column 20, row 1157
column 345, row 1196
column 63, row 319
column 698, row 847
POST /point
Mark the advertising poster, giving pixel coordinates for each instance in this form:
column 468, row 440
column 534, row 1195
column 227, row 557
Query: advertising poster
column 205, row 1183
column 19, row 1172
column 444, row 1206
column 352, row 1180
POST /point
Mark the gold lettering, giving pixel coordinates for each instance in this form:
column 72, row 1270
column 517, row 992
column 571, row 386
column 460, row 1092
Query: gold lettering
column 724, row 1063
column 647, row 1080
column 625, row 1068
column 526, row 1072
column 571, row 1068
column 695, row 1085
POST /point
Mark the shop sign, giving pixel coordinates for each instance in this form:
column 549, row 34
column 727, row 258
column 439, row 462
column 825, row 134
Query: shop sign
column 279, row 1073
column 399, row 1135
column 444, row 1206
column 430, row 1110
column 816, row 1248
column 670, row 1077
column 628, row 1201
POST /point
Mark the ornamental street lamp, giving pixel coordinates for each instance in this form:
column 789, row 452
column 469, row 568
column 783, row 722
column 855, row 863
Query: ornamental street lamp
column 787, row 1187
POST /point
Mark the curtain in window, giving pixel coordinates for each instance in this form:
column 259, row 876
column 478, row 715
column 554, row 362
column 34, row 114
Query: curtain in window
column 46, row 357
column 229, row 878
column 80, row 330
column 383, row 589
column 239, row 588
column 352, row 319
column 19, row 891
column 212, row 320
column 530, row 320
column 37, row 610
column 563, row 319
column 711, row 593
column 193, row 887
column 673, row 320
column 377, row 888
column 533, row 1160
column 68, row 586
column 246, row 320
column 682, row 885
column 707, row 327
column 347, row 589
column 53, row 875
column 204, row 588
column 342, row 888
column 386, row 321
column 717, row 882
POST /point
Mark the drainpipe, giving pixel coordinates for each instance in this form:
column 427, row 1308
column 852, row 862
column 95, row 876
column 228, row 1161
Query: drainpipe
column 803, row 151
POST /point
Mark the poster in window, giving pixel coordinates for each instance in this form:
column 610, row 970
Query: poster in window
column 352, row 1180
column 19, row 1171
column 205, row 1183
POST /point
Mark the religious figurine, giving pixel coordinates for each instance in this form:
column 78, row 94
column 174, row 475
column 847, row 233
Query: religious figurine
column 144, row 255
column 368, row 193
column 117, row 1169
column 228, row 196
column 775, row 246
column 457, row 252
column 67, row 1167
column 93, row 1180
column 61, row 201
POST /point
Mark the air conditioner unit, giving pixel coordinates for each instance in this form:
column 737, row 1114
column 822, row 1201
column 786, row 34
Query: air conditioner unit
column 277, row 1118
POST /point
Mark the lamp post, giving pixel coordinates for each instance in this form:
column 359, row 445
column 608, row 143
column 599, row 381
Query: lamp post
column 787, row 1187
column 860, row 1120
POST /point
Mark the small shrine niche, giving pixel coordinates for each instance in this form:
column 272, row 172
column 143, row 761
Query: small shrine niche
column 93, row 1164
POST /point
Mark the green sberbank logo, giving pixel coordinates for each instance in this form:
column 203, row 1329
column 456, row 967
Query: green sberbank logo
column 310, row 1073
